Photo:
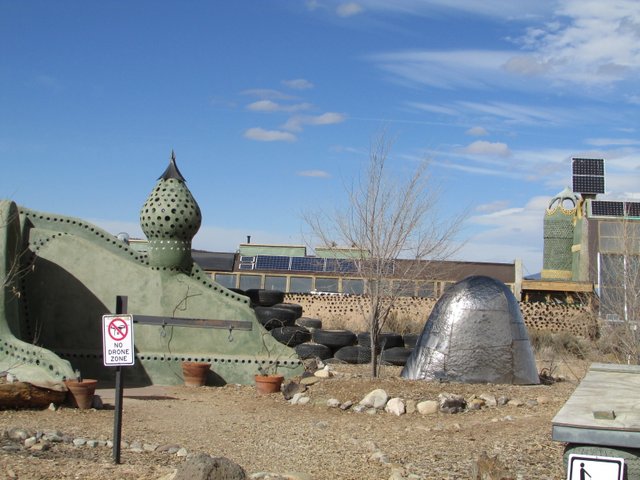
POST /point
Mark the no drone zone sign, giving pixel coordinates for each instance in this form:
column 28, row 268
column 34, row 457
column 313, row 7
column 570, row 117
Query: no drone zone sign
column 117, row 340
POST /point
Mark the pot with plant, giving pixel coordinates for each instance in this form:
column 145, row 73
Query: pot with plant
column 81, row 390
column 268, row 380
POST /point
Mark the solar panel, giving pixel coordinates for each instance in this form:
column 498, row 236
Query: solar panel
column 272, row 262
column 604, row 208
column 340, row 265
column 588, row 175
column 588, row 184
column 307, row 264
column 588, row 166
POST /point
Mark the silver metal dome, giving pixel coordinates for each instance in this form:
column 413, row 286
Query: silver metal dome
column 475, row 334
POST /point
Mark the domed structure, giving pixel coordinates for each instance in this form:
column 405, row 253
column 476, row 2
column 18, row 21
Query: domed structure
column 475, row 334
column 170, row 218
column 559, row 224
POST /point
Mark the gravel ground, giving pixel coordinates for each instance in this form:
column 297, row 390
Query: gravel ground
column 266, row 433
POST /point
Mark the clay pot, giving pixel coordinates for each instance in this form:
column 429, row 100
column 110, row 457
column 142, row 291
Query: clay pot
column 81, row 392
column 268, row 383
column 195, row 373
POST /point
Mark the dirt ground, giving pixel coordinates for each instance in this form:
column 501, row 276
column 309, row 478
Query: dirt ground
column 266, row 433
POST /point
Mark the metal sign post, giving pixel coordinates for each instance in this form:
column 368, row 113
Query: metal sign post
column 118, row 350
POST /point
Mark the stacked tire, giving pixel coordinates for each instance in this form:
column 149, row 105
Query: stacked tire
column 278, row 317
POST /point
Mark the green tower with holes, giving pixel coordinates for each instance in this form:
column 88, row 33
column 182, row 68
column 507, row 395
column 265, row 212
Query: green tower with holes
column 560, row 220
column 62, row 274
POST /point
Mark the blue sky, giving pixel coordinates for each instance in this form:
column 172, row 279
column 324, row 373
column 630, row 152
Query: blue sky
column 271, row 106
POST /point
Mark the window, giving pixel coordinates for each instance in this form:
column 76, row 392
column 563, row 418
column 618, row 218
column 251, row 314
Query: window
column 329, row 285
column 354, row 286
column 250, row 281
column 404, row 288
column 275, row 282
column 427, row 290
column 227, row 280
column 300, row 284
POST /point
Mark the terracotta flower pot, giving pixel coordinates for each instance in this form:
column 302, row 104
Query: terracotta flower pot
column 82, row 392
column 268, row 383
column 195, row 373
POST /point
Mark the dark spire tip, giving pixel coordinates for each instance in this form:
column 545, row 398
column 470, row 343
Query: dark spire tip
column 172, row 170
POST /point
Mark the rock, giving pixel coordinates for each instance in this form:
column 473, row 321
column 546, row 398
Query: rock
column 92, row 443
column 333, row 403
column 41, row 447
column 531, row 403
column 303, row 400
column 376, row 399
column 54, row 436
column 515, row 402
column 19, row 434
column 502, row 400
column 360, row 408
column 411, row 406
column 168, row 448
column 291, row 388
column 324, row 373
column 476, row 404
column 30, row 442
column 79, row 442
column 451, row 403
column 52, row 407
column 201, row 466
column 428, row 407
column 309, row 380
column 543, row 400
column 395, row 406
column 346, row 405
column 182, row 452
column 489, row 400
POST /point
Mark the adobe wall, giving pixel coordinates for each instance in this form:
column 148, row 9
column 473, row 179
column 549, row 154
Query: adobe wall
column 341, row 311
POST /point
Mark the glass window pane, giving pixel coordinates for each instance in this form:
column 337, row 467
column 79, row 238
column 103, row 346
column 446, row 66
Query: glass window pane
column 275, row 282
column 427, row 290
column 300, row 284
column 250, row 281
column 227, row 280
column 354, row 286
column 404, row 288
column 327, row 285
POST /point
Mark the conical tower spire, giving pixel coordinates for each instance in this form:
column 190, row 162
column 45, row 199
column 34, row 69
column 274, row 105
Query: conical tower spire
column 170, row 218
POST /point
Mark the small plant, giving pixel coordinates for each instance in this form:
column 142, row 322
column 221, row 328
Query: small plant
column 271, row 367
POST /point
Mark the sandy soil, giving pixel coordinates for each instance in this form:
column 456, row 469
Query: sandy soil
column 266, row 433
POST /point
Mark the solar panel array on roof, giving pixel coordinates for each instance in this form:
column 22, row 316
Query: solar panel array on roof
column 632, row 209
column 588, row 175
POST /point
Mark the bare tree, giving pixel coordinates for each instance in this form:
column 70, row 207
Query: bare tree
column 387, row 222
column 619, row 282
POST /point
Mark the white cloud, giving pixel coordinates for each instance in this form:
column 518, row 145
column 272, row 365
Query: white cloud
column 482, row 147
column 493, row 206
column 349, row 9
column 477, row 132
column 314, row 173
column 298, row 84
column 296, row 122
column 509, row 234
column 522, row 114
column 271, row 106
column 263, row 135
column 267, row 93
column 590, row 43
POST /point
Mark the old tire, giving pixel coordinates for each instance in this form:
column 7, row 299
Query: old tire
column 385, row 340
column 310, row 323
column 265, row 298
column 410, row 340
column 334, row 339
column 313, row 350
column 271, row 317
column 291, row 336
column 396, row 355
column 354, row 354
column 294, row 307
